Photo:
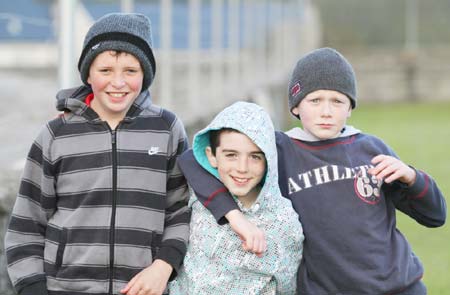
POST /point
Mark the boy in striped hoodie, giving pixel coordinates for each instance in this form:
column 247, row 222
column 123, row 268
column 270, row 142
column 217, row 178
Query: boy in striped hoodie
column 102, row 206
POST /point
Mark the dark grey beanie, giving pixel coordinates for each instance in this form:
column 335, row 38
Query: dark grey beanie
column 323, row 68
column 128, row 32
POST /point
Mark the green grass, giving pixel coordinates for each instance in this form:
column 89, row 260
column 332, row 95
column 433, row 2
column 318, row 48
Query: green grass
column 420, row 135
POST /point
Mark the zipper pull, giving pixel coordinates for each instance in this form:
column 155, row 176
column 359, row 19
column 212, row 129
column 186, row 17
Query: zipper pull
column 113, row 136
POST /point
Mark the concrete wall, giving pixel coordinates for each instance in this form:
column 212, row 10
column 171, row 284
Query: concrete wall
column 392, row 75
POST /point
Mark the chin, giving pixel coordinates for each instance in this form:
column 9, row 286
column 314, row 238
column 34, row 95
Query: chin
column 239, row 193
column 328, row 135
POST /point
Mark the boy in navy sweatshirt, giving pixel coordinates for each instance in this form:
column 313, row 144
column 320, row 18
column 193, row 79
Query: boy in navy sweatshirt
column 344, row 184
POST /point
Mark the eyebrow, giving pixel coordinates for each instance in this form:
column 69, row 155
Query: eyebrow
column 103, row 66
column 235, row 151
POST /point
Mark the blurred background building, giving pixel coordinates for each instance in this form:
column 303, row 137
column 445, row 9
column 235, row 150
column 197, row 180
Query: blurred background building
column 210, row 53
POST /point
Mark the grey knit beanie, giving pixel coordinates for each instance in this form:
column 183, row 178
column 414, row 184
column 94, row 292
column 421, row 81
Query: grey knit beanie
column 323, row 68
column 128, row 32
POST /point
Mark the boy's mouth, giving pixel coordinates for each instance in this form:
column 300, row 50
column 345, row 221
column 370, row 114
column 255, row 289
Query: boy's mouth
column 117, row 94
column 240, row 181
column 326, row 126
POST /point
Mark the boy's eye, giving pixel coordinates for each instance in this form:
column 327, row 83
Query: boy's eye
column 314, row 100
column 104, row 70
column 230, row 155
column 256, row 157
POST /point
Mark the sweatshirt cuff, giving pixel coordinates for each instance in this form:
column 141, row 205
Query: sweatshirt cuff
column 420, row 187
column 37, row 288
column 220, row 209
column 172, row 256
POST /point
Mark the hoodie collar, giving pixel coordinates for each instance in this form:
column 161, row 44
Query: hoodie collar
column 300, row 134
column 73, row 100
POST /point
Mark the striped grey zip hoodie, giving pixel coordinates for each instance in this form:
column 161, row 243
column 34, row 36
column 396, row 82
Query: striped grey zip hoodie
column 95, row 205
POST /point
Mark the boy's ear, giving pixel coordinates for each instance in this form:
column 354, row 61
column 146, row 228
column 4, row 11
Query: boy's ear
column 211, row 158
column 349, row 114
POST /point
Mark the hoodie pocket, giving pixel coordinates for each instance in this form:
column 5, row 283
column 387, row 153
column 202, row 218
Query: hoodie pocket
column 61, row 248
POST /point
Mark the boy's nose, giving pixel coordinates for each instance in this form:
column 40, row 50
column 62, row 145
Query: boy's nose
column 118, row 81
column 242, row 165
column 326, row 109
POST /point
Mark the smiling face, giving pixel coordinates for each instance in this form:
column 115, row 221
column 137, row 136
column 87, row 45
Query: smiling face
column 240, row 163
column 116, row 80
column 324, row 113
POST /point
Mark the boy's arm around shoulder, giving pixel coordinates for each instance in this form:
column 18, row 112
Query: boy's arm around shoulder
column 34, row 205
column 216, row 198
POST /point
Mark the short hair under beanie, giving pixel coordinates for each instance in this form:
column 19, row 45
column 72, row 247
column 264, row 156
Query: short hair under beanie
column 323, row 68
column 128, row 32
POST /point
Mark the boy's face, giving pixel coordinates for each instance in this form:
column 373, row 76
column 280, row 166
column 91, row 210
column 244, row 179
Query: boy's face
column 116, row 81
column 241, row 165
column 324, row 113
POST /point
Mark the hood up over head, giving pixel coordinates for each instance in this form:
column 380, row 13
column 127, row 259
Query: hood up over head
column 251, row 120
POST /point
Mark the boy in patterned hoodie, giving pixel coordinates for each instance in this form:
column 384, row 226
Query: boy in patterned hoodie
column 102, row 206
column 238, row 147
column 346, row 187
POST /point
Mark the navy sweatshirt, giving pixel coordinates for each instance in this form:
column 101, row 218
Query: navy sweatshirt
column 352, row 245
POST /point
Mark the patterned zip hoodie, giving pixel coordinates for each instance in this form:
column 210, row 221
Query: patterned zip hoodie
column 215, row 262
column 95, row 205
